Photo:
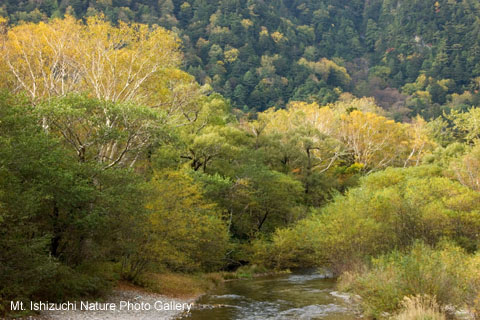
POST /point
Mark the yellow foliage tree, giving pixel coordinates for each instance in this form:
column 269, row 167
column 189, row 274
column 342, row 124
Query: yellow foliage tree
column 467, row 169
column 326, row 68
column 128, row 62
column 111, row 63
column 303, row 134
column 344, row 129
column 231, row 55
column 419, row 141
column 374, row 141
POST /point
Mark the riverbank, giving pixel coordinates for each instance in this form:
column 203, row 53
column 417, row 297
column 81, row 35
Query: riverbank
column 127, row 302
column 154, row 296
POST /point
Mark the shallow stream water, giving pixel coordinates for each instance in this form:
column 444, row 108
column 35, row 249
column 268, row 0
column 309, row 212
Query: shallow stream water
column 292, row 296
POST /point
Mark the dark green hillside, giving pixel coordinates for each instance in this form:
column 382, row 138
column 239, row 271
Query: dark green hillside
column 265, row 53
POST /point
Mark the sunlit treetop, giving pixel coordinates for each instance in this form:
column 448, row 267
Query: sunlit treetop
column 115, row 63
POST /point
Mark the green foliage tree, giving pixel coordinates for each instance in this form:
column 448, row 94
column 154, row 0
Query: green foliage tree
column 57, row 215
column 184, row 231
column 390, row 209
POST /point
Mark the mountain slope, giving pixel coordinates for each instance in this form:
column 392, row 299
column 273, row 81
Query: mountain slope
column 265, row 53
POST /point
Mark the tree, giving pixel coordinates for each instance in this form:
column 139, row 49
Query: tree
column 419, row 141
column 374, row 141
column 184, row 231
column 263, row 200
column 466, row 169
column 302, row 136
column 212, row 143
column 466, row 124
column 112, row 63
column 113, row 134
column 56, row 214
column 300, row 141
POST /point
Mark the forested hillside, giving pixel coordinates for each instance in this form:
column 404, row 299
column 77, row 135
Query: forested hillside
column 129, row 150
column 414, row 57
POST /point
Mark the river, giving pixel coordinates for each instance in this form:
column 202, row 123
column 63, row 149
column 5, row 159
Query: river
column 281, row 297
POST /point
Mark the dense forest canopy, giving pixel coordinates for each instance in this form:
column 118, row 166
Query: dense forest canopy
column 144, row 137
column 414, row 57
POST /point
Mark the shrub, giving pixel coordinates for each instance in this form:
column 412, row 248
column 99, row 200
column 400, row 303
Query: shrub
column 284, row 250
column 447, row 273
column 390, row 209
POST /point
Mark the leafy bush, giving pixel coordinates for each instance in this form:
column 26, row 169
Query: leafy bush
column 390, row 209
column 287, row 248
column 447, row 273
column 68, row 283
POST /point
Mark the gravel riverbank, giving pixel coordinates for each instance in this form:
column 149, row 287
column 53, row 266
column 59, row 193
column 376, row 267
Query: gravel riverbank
column 121, row 305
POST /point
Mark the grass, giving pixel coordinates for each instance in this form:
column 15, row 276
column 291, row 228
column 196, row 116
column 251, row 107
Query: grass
column 422, row 307
column 180, row 285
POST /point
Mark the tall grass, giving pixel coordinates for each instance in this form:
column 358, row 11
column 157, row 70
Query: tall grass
column 420, row 307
